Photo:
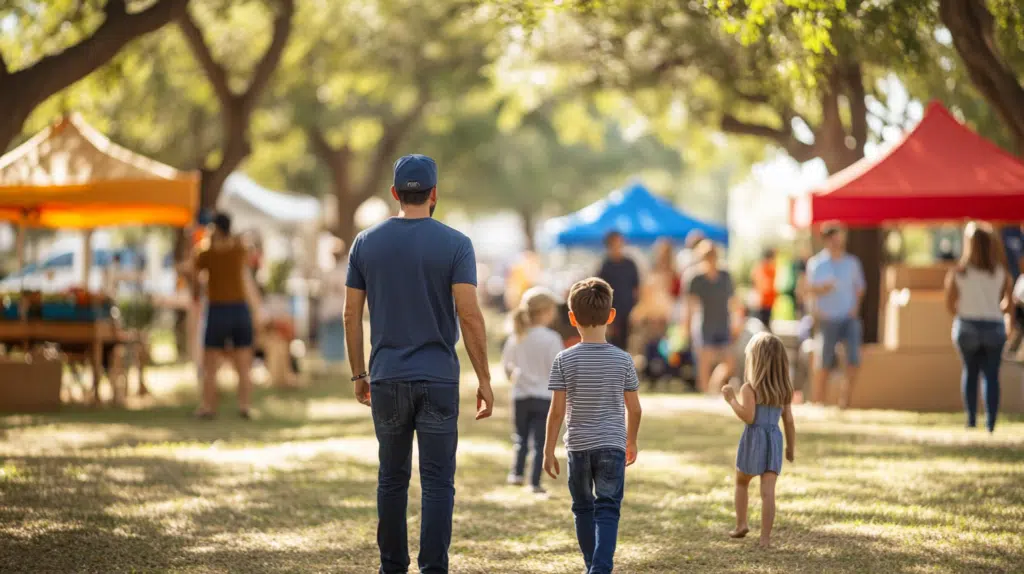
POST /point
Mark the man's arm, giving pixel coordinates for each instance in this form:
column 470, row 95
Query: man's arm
column 556, row 414
column 354, row 301
column 815, row 285
column 861, row 287
column 474, row 333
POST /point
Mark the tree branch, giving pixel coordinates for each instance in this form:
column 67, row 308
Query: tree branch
column 394, row 134
column 215, row 73
column 22, row 91
column 266, row 66
column 784, row 138
column 971, row 25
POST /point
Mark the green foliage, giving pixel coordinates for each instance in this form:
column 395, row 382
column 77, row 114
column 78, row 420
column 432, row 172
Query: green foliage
column 280, row 271
column 538, row 166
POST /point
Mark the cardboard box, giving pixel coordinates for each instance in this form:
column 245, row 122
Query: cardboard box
column 30, row 385
column 931, row 277
column 921, row 380
column 916, row 318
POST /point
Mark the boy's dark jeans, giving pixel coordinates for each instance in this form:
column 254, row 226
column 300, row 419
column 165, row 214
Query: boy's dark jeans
column 432, row 411
column 531, row 418
column 596, row 481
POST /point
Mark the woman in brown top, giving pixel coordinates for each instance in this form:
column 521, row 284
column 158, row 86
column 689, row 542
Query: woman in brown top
column 229, row 325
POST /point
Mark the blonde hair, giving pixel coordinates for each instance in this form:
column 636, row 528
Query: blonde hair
column 532, row 306
column 767, row 370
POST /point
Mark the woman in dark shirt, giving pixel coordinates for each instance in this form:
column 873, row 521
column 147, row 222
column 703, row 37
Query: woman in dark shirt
column 229, row 324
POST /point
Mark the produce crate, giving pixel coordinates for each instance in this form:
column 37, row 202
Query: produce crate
column 70, row 312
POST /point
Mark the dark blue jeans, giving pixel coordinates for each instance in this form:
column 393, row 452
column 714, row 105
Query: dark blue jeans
column 980, row 344
column 531, row 419
column 431, row 411
column 596, row 481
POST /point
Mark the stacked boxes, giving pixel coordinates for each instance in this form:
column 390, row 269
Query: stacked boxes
column 916, row 366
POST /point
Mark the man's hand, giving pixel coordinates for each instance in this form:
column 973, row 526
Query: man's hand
column 484, row 400
column 728, row 393
column 631, row 452
column 362, row 391
column 551, row 464
column 790, row 454
column 827, row 287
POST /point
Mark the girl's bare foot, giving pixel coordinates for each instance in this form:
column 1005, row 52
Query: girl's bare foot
column 739, row 532
column 765, row 543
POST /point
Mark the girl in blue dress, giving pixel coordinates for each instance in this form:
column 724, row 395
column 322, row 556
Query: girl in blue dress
column 762, row 401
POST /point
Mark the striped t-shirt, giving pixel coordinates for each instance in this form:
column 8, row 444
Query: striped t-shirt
column 594, row 377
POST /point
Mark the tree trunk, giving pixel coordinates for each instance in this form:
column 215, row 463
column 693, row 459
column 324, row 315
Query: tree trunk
column 972, row 27
column 236, row 108
column 22, row 91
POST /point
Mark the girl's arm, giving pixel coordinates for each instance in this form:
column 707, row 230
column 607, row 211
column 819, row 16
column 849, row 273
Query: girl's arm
column 743, row 405
column 789, row 428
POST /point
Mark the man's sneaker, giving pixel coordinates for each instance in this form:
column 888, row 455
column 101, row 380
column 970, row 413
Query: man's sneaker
column 515, row 480
column 538, row 490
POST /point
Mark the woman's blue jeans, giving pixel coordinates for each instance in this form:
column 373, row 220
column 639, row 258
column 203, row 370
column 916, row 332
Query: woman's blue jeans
column 980, row 344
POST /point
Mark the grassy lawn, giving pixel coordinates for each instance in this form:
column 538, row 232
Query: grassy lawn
column 153, row 491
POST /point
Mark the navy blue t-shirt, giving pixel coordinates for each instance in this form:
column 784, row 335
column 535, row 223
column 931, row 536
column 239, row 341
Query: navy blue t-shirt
column 407, row 268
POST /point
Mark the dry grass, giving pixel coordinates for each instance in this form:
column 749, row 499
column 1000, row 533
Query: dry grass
column 153, row 491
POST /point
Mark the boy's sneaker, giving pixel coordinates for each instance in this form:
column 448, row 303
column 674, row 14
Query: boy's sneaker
column 515, row 480
column 538, row 490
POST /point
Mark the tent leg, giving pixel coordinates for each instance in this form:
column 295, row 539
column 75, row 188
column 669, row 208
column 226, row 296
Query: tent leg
column 86, row 257
column 20, row 245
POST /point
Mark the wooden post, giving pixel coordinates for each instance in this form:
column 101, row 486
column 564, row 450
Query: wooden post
column 20, row 244
column 86, row 257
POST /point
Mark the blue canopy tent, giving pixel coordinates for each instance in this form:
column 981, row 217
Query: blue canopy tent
column 639, row 215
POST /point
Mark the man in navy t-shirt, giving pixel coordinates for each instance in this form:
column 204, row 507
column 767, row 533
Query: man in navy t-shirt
column 419, row 278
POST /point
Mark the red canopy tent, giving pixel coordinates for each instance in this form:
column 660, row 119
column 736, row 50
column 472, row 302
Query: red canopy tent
column 940, row 171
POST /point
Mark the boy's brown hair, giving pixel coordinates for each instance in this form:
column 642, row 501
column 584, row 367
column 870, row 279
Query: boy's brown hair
column 590, row 301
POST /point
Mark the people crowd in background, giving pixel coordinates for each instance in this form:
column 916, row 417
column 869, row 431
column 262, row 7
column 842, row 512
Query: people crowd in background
column 332, row 309
column 710, row 290
column 836, row 286
column 229, row 332
column 623, row 275
column 979, row 292
column 763, row 279
column 527, row 358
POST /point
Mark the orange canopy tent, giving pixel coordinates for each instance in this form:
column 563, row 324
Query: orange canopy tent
column 940, row 171
column 71, row 176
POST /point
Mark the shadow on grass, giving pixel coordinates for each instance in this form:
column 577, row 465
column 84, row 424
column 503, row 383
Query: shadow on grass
column 294, row 491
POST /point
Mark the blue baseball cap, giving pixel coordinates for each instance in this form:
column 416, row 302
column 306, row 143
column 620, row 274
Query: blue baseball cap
column 415, row 173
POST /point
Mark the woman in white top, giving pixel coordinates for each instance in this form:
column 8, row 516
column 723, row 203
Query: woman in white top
column 978, row 295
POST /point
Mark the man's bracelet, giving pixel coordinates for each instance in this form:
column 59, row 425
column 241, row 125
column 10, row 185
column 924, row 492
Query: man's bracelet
column 365, row 375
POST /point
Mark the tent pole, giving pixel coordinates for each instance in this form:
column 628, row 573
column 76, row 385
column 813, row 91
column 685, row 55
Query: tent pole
column 86, row 257
column 19, row 248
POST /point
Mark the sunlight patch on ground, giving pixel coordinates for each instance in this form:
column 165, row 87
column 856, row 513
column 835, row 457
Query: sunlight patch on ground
column 278, row 455
column 53, row 438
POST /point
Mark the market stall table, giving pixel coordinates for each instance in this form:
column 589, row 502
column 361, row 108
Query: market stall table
column 94, row 335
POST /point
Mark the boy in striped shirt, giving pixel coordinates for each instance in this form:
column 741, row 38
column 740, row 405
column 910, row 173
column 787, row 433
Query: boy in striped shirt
column 594, row 386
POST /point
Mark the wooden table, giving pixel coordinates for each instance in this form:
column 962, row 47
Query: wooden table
column 94, row 335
